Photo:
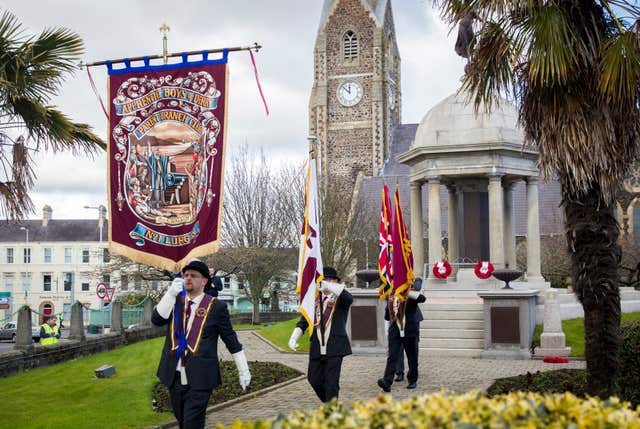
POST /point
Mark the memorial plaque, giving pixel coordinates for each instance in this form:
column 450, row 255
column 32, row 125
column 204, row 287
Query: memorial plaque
column 363, row 323
column 505, row 325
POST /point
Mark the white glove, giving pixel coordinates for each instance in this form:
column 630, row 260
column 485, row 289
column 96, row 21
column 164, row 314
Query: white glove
column 295, row 336
column 414, row 294
column 334, row 288
column 243, row 368
column 176, row 287
column 165, row 306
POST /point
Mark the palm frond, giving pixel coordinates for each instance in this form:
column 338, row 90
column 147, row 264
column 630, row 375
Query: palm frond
column 620, row 69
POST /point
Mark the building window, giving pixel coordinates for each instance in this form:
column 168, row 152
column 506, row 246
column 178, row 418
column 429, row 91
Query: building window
column 8, row 282
column 67, row 255
column 85, row 282
column 240, row 283
column 106, row 279
column 106, row 257
column 26, row 255
column 85, row 256
column 46, row 282
column 10, row 255
column 137, row 283
column 68, row 281
column 227, row 282
column 350, row 46
column 47, row 255
column 124, row 280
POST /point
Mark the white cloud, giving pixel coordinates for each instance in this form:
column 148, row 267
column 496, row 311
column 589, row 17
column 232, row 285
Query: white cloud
column 285, row 28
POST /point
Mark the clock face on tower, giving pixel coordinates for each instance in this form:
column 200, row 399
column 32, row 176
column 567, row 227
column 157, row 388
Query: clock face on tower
column 350, row 93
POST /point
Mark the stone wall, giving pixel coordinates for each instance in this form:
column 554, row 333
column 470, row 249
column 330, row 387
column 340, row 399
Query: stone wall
column 17, row 361
column 270, row 317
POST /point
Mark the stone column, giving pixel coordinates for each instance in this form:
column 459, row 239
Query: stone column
column 533, row 230
column 23, row 329
column 453, row 224
column 116, row 317
column 416, row 228
column 435, row 229
column 509, row 227
column 496, row 221
column 148, row 311
column 77, row 324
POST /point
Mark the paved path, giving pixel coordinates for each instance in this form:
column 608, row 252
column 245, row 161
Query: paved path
column 359, row 377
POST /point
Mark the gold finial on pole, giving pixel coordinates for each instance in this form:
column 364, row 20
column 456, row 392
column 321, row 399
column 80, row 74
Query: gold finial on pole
column 164, row 28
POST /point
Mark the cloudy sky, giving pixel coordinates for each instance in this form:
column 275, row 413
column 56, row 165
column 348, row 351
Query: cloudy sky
column 286, row 29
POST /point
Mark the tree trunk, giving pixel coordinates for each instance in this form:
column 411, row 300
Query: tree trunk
column 255, row 315
column 592, row 237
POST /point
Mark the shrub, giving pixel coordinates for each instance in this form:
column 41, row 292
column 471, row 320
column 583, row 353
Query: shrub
column 559, row 381
column 469, row 410
column 629, row 388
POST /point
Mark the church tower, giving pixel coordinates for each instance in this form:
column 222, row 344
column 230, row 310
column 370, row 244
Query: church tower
column 355, row 101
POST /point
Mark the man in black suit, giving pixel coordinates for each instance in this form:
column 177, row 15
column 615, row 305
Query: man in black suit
column 407, row 338
column 329, row 340
column 192, row 372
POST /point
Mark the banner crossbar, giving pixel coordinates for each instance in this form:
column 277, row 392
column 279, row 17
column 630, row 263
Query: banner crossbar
column 255, row 47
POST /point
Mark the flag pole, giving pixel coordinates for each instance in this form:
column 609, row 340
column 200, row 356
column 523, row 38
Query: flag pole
column 314, row 155
column 255, row 47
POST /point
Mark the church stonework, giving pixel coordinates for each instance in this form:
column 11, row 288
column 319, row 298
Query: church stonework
column 355, row 101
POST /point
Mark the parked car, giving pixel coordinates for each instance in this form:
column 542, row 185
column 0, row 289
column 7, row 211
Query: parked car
column 8, row 332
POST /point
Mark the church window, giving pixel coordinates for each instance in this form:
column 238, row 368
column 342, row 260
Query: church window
column 636, row 222
column 350, row 46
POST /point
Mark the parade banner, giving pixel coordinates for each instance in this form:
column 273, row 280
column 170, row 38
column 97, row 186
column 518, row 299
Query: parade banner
column 166, row 159
column 310, row 258
column 385, row 271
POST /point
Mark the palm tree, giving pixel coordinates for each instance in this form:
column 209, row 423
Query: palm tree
column 31, row 72
column 572, row 68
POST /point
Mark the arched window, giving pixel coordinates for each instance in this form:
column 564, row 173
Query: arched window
column 350, row 46
column 636, row 222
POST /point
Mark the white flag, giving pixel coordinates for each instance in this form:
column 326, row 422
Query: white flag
column 310, row 264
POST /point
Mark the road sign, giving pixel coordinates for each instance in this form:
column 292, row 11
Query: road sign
column 5, row 294
column 110, row 292
column 101, row 290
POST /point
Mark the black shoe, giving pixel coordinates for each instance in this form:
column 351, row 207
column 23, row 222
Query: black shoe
column 411, row 385
column 399, row 377
column 383, row 385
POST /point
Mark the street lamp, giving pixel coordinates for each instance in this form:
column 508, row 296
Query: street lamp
column 101, row 210
column 25, row 280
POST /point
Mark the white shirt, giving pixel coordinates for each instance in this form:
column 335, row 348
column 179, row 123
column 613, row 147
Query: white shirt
column 196, row 302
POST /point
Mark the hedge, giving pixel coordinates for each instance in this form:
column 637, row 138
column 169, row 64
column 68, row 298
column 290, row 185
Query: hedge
column 466, row 411
column 629, row 379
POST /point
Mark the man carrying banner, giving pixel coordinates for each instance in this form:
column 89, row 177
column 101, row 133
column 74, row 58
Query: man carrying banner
column 329, row 340
column 191, row 370
column 403, row 334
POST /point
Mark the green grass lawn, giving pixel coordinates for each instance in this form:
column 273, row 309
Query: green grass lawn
column 279, row 334
column 68, row 396
column 574, row 330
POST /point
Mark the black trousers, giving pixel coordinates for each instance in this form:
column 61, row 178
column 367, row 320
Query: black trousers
column 189, row 405
column 410, row 346
column 324, row 376
column 400, row 362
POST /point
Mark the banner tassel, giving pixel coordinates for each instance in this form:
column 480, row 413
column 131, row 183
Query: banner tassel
column 255, row 72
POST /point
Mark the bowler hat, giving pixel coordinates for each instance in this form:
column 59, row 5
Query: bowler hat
column 330, row 273
column 199, row 266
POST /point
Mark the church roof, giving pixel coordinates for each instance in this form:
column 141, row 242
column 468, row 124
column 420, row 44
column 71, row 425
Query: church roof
column 376, row 7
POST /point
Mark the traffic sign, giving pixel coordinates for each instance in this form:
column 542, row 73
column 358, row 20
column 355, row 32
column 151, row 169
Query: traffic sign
column 101, row 290
column 110, row 292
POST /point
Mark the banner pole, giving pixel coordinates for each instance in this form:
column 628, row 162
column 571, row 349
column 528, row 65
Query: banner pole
column 255, row 47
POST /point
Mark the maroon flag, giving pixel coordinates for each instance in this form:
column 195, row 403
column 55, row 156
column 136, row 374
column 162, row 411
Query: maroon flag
column 166, row 160
column 384, row 258
column 402, row 258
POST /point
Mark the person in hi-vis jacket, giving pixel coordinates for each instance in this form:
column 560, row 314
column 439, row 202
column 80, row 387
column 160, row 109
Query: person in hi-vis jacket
column 329, row 341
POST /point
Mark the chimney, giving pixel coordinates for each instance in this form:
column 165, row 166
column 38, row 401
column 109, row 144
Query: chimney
column 46, row 215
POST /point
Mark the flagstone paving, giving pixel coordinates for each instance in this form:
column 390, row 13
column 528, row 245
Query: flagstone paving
column 359, row 376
